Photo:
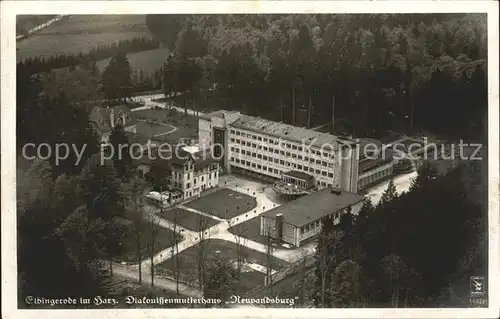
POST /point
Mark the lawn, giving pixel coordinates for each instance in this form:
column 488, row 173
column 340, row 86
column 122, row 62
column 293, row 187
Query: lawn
column 189, row 220
column 224, row 203
column 250, row 279
column 165, row 238
column 168, row 116
column 81, row 33
column 249, row 229
column 186, row 126
column 152, row 129
column 180, row 134
column 147, row 61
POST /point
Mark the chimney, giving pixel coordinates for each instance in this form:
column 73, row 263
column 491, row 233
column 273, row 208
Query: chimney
column 123, row 119
column 112, row 118
column 279, row 226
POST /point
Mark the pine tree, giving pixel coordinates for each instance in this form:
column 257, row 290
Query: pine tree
column 363, row 218
column 116, row 76
column 221, row 279
column 426, row 173
column 38, row 185
column 329, row 239
column 389, row 194
column 346, row 285
column 121, row 146
column 101, row 190
column 347, row 220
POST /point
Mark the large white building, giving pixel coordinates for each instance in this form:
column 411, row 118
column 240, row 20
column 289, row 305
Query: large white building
column 268, row 149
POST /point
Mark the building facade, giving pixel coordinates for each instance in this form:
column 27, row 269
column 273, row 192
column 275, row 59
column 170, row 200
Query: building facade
column 268, row 149
column 300, row 220
column 375, row 174
column 190, row 174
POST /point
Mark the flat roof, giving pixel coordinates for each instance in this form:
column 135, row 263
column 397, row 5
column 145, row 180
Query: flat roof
column 315, row 206
column 218, row 114
column 368, row 164
column 299, row 175
column 289, row 132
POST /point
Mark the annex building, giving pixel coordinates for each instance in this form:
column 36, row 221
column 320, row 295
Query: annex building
column 300, row 220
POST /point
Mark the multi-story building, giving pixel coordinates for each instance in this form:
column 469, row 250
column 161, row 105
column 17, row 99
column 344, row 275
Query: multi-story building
column 268, row 149
column 191, row 173
column 375, row 163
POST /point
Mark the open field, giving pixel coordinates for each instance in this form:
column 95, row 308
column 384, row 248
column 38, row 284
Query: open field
column 24, row 23
column 152, row 129
column 224, row 203
column 80, row 33
column 187, row 219
column 165, row 238
column 147, row 61
column 250, row 279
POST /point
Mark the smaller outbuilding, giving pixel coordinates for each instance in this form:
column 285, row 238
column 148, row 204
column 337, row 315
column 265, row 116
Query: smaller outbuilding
column 300, row 220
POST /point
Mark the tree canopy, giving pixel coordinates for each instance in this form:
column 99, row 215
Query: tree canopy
column 386, row 71
column 408, row 249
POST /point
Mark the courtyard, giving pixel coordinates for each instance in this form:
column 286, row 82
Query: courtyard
column 249, row 229
column 224, row 203
column 253, row 272
column 187, row 219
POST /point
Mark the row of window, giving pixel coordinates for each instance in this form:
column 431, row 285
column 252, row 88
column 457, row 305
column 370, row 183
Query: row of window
column 265, row 157
column 315, row 225
column 188, row 185
column 284, row 163
column 257, row 166
column 374, row 177
column 260, row 141
column 178, row 176
column 189, row 166
column 196, row 190
column 273, row 171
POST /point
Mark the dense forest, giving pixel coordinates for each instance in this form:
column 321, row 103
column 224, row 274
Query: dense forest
column 405, row 71
column 400, row 72
column 410, row 250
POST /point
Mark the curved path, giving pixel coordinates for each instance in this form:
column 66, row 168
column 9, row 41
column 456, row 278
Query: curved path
column 265, row 202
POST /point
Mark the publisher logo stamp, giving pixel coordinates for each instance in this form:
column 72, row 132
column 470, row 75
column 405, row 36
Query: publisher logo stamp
column 477, row 286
